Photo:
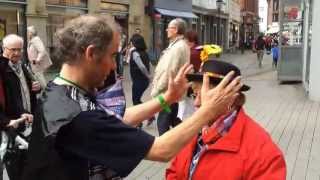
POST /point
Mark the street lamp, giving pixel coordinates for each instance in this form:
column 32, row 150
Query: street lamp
column 219, row 4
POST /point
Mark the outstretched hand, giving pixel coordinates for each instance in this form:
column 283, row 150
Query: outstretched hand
column 178, row 85
column 221, row 97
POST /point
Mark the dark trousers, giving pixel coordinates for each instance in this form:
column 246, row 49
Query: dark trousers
column 138, row 88
column 15, row 165
column 165, row 119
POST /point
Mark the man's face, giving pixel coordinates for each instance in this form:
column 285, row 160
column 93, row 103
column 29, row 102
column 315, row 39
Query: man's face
column 13, row 51
column 102, row 68
column 172, row 30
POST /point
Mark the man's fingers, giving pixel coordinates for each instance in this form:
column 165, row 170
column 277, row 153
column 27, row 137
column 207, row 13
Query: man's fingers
column 225, row 81
column 206, row 84
column 184, row 70
column 235, row 85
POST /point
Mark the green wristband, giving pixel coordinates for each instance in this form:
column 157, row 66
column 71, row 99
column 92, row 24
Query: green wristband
column 164, row 105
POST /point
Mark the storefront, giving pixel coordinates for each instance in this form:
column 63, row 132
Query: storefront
column 12, row 18
column 120, row 12
column 165, row 11
column 59, row 12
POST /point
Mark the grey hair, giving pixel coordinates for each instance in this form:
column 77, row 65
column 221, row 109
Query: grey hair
column 11, row 38
column 181, row 25
column 32, row 30
column 73, row 39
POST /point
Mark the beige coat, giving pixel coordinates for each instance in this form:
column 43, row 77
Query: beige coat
column 37, row 52
column 172, row 59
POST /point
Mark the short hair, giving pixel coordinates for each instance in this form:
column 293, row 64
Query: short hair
column 181, row 25
column 73, row 39
column 32, row 30
column 192, row 36
column 11, row 38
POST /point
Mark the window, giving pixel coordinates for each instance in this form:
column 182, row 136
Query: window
column 275, row 18
column 74, row 3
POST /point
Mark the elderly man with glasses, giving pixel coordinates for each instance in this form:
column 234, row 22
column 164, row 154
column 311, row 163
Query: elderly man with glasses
column 172, row 59
column 20, row 88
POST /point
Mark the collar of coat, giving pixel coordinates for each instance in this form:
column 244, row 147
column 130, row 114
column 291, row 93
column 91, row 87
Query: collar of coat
column 232, row 140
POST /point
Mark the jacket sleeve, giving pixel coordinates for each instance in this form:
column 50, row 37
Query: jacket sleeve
column 39, row 46
column 271, row 166
column 171, row 172
column 176, row 58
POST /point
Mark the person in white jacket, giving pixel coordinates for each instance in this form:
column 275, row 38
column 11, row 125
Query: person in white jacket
column 39, row 58
column 172, row 59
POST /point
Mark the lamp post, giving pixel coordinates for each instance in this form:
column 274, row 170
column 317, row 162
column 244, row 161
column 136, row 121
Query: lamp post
column 219, row 4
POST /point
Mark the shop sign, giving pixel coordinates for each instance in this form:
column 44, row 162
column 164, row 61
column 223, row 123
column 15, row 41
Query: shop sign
column 292, row 13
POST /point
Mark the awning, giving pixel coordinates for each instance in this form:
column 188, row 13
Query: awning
column 175, row 13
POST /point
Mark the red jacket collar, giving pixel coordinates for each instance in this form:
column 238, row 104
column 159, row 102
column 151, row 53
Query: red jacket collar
column 232, row 140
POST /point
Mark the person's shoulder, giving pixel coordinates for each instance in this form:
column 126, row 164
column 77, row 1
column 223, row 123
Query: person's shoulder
column 257, row 138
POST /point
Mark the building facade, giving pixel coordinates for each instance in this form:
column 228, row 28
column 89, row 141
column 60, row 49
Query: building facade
column 49, row 15
column 263, row 15
column 250, row 19
column 235, row 22
column 273, row 11
column 212, row 24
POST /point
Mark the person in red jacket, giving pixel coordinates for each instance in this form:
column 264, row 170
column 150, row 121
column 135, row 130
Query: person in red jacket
column 233, row 147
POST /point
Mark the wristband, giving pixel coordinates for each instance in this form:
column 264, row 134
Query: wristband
column 164, row 105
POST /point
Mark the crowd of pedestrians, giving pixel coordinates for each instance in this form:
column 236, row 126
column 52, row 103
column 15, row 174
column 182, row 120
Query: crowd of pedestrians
column 77, row 126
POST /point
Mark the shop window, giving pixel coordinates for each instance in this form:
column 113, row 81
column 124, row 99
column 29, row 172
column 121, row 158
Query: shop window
column 11, row 21
column 74, row 3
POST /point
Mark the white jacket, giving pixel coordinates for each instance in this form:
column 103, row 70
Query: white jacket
column 173, row 58
column 37, row 52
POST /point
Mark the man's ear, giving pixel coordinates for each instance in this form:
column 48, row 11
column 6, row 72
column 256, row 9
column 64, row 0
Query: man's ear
column 89, row 53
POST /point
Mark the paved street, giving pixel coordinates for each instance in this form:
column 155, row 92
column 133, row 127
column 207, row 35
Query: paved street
column 284, row 110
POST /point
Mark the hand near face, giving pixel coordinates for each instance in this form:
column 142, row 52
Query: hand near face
column 178, row 85
column 36, row 86
column 222, row 96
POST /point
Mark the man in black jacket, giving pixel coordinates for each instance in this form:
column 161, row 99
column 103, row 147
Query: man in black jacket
column 20, row 97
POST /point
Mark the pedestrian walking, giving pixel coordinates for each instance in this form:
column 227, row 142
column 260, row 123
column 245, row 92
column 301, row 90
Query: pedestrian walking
column 139, row 70
column 72, row 139
column 172, row 59
column 275, row 54
column 259, row 48
column 38, row 56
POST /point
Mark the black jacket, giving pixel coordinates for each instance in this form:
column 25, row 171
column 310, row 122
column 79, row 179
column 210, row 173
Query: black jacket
column 12, row 90
column 135, row 72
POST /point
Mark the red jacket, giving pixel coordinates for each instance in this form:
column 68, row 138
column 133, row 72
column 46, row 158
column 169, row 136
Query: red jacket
column 246, row 152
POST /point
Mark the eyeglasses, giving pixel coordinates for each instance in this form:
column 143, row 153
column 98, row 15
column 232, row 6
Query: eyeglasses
column 19, row 50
